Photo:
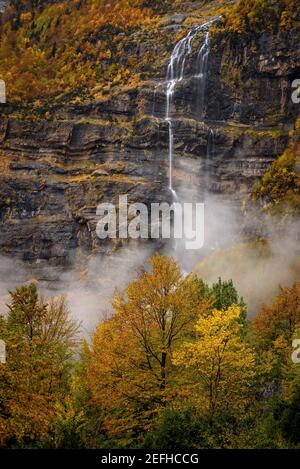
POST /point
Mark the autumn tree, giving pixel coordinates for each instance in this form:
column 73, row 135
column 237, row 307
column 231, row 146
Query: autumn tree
column 279, row 320
column 274, row 329
column 221, row 365
column 40, row 341
column 77, row 423
column 130, row 373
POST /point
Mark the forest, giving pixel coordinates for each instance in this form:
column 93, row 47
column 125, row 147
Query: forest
column 178, row 365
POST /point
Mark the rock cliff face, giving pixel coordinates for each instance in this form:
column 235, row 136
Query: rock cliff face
column 55, row 176
column 55, row 172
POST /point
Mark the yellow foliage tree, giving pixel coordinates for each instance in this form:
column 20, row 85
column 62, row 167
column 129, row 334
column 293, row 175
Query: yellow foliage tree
column 220, row 364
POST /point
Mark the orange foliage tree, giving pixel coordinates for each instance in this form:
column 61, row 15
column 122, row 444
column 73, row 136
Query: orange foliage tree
column 274, row 329
column 130, row 373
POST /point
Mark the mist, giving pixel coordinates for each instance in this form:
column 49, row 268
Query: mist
column 89, row 291
column 256, row 251
column 256, row 268
column 259, row 267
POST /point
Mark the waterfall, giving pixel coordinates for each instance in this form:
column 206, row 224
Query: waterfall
column 210, row 151
column 176, row 74
column 180, row 70
column 202, row 67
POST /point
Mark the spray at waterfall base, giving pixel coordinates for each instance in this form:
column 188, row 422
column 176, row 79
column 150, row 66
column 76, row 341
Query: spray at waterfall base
column 183, row 222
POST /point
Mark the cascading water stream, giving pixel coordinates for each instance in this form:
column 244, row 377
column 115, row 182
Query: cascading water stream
column 175, row 75
column 202, row 67
column 210, row 151
column 178, row 72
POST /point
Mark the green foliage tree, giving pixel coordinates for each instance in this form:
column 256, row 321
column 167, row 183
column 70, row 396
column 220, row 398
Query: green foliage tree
column 223, row 294
column 178, row 430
